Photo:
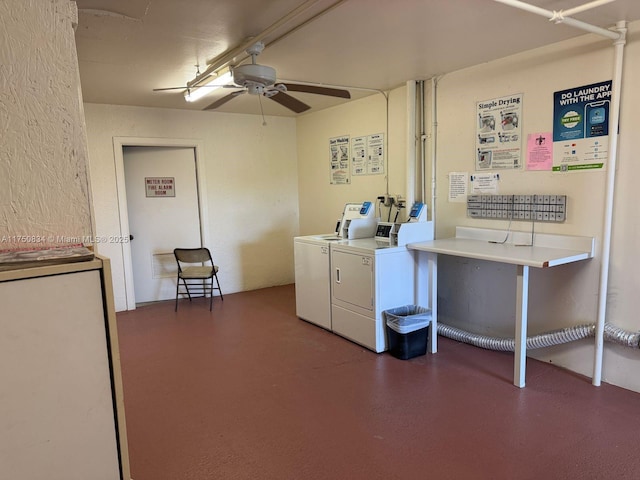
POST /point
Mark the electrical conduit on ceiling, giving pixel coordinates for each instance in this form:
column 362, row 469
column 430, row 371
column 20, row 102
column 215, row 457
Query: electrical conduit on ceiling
column 226, row 58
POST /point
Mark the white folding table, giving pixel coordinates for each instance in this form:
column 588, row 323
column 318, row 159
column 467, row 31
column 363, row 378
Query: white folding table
column 516, row 248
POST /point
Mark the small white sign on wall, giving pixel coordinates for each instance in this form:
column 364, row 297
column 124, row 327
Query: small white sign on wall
column 458, row 186
column 484, row 183
column 158, row 187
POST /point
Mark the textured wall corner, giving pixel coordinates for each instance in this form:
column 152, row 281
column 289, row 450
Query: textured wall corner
column 44, row 193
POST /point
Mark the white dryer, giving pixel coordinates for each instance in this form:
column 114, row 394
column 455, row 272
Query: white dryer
column 369, row 276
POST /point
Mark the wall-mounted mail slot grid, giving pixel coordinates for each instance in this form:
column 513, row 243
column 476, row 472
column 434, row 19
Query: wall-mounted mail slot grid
column 538, row 208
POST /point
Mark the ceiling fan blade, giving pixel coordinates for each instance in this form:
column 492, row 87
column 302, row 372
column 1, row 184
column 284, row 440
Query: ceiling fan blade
column 291, row 103
column 223, row 100
column 331, row 92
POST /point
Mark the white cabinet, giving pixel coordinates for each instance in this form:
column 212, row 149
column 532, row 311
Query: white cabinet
column 61, row 396
column 366, row 280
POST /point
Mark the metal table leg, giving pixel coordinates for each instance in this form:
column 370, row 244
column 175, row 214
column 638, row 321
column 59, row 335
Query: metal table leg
column 522, row 301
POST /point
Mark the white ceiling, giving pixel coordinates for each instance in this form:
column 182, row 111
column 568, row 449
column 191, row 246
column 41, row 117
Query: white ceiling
column 126, row 48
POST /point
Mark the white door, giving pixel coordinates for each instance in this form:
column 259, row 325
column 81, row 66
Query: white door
column 162, row 205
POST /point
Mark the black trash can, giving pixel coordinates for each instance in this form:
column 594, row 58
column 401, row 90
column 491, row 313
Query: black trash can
column 407, row 331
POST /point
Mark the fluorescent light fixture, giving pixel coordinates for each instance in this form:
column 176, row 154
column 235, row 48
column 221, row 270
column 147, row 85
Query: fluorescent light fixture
column 207, row 86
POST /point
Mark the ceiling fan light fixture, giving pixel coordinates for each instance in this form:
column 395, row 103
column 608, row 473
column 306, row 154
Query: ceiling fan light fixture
column 209, row 85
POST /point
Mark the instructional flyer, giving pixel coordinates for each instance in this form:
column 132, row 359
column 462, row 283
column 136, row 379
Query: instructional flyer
column 499, row 133
column 458, row 186
column 339, row 150
column 581, row 127
column 539, row 151
column 359, row 156
column 484, row 183
column 375, row 149
column 367, row 155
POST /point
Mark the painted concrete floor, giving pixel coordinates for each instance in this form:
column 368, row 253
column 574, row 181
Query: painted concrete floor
column 249, row 391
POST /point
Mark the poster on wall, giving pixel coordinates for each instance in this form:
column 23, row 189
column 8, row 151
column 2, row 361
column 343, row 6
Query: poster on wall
column 539, row 151
column 499, row 133
column 581, row 127
column 375, row 152
column 339, row 151
column 359, row 156
column 367, row 155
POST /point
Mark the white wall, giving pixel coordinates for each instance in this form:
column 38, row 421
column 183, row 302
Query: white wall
column 479, row 296
column 251, row 181
column 321, row 203
column 44, row 194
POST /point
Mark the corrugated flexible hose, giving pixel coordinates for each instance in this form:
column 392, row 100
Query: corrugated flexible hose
column 548, row 339
column 623, row 337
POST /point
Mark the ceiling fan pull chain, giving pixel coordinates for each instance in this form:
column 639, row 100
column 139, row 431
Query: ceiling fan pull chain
column 264, row 122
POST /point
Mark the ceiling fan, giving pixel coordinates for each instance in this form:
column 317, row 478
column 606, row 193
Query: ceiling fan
column 256, row 79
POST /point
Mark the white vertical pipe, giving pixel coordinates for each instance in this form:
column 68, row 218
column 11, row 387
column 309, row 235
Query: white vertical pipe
column 423, row 148
column 609, row 197
column 619, row 37
column 432, row 270
column 411, row 143
column 434, row 137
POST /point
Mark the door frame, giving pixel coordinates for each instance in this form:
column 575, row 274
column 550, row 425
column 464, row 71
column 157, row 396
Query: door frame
column 118, row 146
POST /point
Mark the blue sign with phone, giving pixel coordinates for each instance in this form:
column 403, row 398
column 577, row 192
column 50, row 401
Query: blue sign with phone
column 581, row 112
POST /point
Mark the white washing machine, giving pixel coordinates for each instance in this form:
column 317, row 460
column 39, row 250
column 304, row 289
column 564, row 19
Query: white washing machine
column 313, row 292
column 369, row 276
column 312, row 262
